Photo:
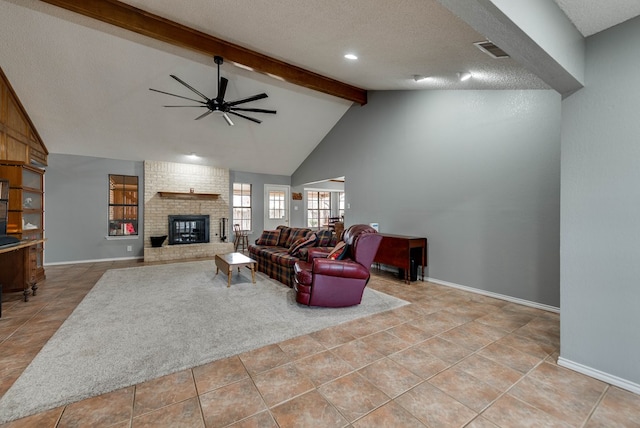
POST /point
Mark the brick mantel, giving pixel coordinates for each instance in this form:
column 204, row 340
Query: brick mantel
column 184, row 178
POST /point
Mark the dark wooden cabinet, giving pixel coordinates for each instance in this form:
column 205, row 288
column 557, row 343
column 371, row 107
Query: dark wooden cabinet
column 19, row 139
column 18, row 270
column 21, row 152
column 398, row 250
column 25, row 218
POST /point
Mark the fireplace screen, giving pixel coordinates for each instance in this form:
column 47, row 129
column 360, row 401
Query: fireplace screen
column 188, row 229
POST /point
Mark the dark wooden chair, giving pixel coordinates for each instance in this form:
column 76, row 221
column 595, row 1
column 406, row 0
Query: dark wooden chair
column 331, row 222
column 241, row 239
column 338, row 229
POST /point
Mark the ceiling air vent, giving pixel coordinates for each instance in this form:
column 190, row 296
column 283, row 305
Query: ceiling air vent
column 492, row 50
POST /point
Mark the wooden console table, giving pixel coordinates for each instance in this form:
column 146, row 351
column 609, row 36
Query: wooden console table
column 397, row 250
column 18, row 267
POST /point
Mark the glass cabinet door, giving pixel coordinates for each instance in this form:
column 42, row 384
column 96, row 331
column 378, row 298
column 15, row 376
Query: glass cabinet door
column 31, row 221
column 31, row 200
column 31, row 179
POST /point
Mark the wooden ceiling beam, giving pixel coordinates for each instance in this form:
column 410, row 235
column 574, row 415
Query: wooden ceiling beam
column 139, row 21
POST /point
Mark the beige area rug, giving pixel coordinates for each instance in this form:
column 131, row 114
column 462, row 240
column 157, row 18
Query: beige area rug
column 145, row 322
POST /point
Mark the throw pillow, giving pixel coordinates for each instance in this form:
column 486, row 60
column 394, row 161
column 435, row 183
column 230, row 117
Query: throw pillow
column 269, row 237
column 284, row 235
column 339, row 252
column 295, row 234
column 301, row 243
column 324, row 238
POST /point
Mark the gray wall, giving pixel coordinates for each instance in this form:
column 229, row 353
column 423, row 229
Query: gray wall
column 600, row 215
column 476, row 172
column 257, row 182
column 76, row 201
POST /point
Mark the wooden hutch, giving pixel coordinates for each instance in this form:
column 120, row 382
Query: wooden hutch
column 22, row 158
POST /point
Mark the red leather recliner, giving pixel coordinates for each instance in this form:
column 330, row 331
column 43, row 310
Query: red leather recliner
column 337, row 283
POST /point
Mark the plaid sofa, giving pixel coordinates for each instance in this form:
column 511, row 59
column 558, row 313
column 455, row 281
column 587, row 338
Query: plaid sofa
column 275, row 260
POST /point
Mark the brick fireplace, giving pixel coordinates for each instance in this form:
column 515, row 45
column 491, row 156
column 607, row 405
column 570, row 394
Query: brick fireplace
column 184, row 179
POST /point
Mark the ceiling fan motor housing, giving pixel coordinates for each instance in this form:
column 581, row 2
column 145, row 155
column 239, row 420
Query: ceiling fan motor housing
column 218, row 104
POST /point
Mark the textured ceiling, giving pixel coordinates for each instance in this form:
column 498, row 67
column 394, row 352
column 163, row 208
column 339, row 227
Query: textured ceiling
column 394, row 40
column 85, row 86
column 593, row 16
column 85, row 83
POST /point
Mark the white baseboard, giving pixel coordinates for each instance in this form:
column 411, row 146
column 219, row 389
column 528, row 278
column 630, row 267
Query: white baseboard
column 483, row 292
column 600, row 375
column 496, row 295
column 563, row 362
column 75, row 262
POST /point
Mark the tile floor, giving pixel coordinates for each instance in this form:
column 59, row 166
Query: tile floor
column 449, row 359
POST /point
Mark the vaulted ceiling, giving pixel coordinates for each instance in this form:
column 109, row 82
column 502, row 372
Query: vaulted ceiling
column 85, row 83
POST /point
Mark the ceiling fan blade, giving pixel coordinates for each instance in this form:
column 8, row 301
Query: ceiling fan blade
column 255, row 110
column 207, row 113
column 185, row 106
column 190, row 87
column 227, row 118
column 253, row 119
column 174, row 95
column 222, row 89
column 246, row 100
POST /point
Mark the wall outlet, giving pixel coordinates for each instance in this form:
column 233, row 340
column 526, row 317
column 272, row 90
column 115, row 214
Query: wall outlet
column 129, row 248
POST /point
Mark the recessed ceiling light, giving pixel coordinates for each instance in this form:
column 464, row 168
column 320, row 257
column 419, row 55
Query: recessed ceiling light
column 244, row 67
column 419, row 78
column 464, row 76
column 351, row 56
column 275, row 76
column 192, row 155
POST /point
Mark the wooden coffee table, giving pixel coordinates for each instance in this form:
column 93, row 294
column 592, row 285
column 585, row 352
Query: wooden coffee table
column 226, row 263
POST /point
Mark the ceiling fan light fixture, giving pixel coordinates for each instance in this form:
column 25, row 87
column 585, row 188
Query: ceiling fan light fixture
column 242, row 66
column 464, row 75
column 275, row 76
column 218, row 104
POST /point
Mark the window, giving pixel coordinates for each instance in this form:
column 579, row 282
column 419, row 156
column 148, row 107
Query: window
column 318, row 208
column 123, row 205
column 341, row 205
column 242, row 205
column 276, row 204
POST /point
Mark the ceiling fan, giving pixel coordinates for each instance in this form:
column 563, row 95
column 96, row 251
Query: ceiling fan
column 218, row 104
